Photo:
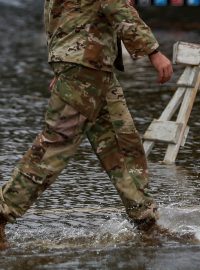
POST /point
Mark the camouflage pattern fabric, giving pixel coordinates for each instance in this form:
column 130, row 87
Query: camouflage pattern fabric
column 83, row 102
column 85, row 31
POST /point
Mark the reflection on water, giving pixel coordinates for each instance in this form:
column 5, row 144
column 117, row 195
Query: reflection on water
column 80, row 223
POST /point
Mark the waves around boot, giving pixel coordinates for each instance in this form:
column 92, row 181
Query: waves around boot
column 85, row 228
column 53, row 239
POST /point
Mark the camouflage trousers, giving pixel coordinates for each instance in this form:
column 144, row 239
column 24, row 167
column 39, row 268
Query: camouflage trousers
column 83, row 102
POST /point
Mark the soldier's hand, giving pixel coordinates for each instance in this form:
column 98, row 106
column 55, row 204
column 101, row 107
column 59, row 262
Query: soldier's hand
column 163, row 66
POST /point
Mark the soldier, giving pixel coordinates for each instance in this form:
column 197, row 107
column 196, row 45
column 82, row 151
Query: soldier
column 86, row 99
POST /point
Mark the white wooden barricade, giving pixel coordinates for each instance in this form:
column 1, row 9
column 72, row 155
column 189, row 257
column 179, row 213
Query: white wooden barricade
column 174, row 133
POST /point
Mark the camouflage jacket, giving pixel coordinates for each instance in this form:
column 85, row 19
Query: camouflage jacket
column 86, row 31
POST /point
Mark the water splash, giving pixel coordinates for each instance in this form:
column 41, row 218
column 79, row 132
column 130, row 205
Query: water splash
column 104, row 229
column 184, row 220
column 115, row 229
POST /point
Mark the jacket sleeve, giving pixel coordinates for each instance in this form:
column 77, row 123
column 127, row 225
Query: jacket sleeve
column 135, row 34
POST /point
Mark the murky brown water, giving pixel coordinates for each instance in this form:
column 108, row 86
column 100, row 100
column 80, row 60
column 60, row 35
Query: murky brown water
column 79, row 223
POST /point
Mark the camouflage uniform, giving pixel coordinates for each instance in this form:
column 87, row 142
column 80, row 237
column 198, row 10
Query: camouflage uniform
column 86, row 99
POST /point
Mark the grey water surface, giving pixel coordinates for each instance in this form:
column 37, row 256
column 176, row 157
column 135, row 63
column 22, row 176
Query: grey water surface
column 80, row 223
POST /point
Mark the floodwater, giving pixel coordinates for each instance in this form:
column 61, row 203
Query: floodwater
column 79, row 223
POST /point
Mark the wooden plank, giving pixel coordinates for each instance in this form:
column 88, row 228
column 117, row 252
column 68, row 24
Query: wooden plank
column 189, row 77
column 185, row 136
column 163, row 131
column 186, row 53
column 183, row 117
column 173, row 104
column 148, row 146
column 167, row 114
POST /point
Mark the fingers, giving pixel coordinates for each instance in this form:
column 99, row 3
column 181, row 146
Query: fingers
column 165, row 73
column 163, row 66
column 160, row 76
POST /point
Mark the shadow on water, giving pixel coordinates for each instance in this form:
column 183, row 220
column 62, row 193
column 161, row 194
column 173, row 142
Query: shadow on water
column 80, row 223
